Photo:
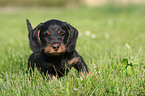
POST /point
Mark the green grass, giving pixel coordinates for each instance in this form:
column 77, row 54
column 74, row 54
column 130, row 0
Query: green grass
column 119, row 34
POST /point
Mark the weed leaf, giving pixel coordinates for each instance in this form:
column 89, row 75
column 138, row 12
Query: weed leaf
column 136, row 62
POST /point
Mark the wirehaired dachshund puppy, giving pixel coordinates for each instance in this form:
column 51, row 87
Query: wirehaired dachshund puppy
column 53, row 44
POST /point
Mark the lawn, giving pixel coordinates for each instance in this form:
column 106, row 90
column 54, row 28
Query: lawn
column 111, row 41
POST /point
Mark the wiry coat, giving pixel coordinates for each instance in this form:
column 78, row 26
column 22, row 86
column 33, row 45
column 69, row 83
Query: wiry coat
column 53, row 44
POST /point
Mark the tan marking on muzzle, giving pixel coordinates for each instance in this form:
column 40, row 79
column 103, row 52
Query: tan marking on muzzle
column 49, row 50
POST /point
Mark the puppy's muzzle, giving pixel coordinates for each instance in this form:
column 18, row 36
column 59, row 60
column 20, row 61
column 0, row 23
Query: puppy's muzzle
column 55, row 47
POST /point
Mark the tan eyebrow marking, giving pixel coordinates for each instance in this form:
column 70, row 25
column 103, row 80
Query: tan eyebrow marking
column 48, row 33
column 59, row 32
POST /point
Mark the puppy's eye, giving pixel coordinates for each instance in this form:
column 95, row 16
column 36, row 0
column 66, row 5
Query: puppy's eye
column 62, row 34
column 45, row 35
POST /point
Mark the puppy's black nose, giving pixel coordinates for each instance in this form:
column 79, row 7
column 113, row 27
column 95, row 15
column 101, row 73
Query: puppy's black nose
column 55, row 46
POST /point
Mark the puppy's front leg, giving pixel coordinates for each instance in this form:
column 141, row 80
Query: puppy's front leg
column 74, row 60
column 81, row 66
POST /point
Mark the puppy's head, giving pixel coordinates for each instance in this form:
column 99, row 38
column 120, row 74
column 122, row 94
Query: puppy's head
column 53, row 37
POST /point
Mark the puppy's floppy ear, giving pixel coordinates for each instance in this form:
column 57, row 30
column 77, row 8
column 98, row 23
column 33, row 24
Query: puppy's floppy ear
column 72, row 38
column 34, row 41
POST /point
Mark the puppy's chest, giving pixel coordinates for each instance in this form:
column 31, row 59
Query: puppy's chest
column 58, row 64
